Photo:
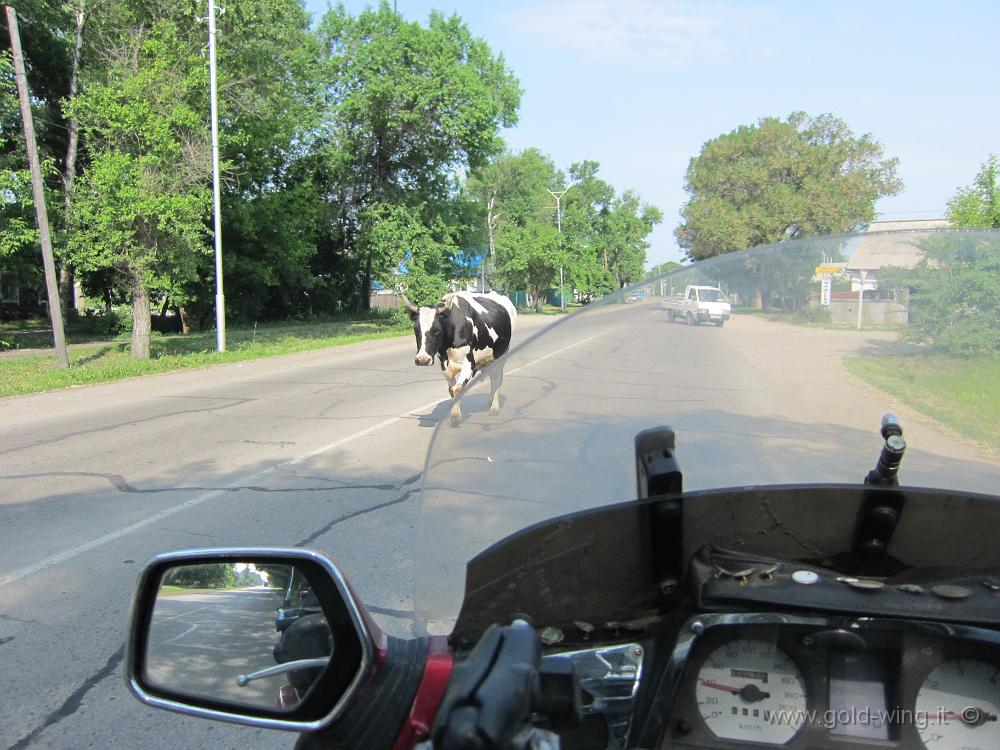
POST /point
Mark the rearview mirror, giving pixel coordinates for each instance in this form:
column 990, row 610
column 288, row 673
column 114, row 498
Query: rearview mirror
column 271, row 638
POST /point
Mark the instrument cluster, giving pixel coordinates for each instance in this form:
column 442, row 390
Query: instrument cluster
column 774, row 680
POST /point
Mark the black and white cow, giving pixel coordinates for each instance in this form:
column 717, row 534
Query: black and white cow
column 466, row 332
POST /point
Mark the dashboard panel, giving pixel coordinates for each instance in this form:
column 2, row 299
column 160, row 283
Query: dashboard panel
column 771, row 680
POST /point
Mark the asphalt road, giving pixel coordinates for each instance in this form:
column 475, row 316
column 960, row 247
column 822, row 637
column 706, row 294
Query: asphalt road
column 322, row 449
column 326, row 450
column 201, row 640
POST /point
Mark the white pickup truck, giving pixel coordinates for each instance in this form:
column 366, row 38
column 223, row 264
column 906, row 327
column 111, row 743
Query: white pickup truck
column 698, row 304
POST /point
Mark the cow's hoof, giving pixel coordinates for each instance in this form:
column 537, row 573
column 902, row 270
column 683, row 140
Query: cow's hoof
column 456, row 420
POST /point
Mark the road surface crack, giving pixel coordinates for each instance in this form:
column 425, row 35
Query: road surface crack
column 11, row 618
column 72, row 703
column 121, row 484
column 131, row 423
column 364, row 511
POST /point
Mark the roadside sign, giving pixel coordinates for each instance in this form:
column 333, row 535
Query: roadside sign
column 825, row 291
column 828, row 268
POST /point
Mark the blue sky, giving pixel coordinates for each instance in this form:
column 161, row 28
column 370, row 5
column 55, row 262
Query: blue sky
column 640, row 85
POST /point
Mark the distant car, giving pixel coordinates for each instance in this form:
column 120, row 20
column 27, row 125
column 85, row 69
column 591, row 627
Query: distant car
column 699, row 304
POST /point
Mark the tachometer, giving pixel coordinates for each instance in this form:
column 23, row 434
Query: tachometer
column 957, row 706
column 751, row 690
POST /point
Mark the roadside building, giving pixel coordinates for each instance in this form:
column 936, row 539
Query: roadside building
column 883, row 245
column 887, row 244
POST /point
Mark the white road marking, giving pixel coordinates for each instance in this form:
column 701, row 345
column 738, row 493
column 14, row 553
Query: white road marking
column 100, row 541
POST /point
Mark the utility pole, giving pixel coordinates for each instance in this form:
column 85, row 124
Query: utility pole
column 41, row 214
column 220, row 297
column 558, row 196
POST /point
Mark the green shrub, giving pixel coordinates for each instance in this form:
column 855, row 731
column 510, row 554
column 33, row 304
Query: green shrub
column 809, row 314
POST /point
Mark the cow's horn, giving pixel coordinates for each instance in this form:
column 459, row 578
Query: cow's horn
column 409, row 305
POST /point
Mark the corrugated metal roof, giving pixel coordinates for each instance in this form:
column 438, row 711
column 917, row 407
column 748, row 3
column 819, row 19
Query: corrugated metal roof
column 893, row 244
column 907, row 225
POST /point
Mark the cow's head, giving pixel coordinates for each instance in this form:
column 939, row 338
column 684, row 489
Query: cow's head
column 428, row 327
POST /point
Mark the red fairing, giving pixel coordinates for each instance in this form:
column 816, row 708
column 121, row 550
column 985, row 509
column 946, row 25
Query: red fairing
column 437, row 672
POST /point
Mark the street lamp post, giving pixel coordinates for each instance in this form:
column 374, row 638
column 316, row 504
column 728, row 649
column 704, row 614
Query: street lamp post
column 220, row 298
column 558, row 196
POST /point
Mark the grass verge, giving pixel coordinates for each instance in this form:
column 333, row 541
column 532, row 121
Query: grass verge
column 960, row 392
column 109, row 361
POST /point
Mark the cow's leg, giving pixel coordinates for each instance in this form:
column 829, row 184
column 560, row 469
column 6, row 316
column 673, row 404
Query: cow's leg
column 457, row 370
column 456, row 410
column 460, row 360
column 496, row 380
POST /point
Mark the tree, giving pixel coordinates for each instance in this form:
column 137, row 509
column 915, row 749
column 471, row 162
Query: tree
column 44, row 26
column 514, row 191
column 978, row 205
column 141, row 203
column 20, row 266
column 954, row 294
column 662, row 268
column 271, row 103
column 528, row 257
column 781, row 179
column 587, row 208
column 410, row 107
column 209, row 576
column 626, row 229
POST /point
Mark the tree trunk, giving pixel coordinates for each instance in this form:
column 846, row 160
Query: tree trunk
column 67, row 289
column 66, row 275
column 185, row 321
column 141, row 321
column 491, row 222
column 365, row 300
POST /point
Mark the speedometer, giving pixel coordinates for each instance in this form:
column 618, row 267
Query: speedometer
column 751, row 690
column 957, row 706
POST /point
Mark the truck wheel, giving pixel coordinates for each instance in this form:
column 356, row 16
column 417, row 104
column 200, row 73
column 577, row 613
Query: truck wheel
column 719, row 323
column 691, row 319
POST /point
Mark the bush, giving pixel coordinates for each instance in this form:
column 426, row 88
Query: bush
column 107, row 322
column 810, row 314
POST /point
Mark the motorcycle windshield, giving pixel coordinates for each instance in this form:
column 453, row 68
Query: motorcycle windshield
column 824, row 336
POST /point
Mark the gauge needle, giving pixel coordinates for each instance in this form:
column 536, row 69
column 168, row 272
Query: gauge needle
column 720, row 686
column 750, row 693
column 973, row 717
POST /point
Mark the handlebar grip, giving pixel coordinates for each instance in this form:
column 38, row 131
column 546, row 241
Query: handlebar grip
column 374, row 722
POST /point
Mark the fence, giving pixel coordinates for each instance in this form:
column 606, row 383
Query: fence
column 873, row 312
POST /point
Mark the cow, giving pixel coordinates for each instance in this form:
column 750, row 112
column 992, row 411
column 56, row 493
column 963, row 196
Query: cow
column 466, row 332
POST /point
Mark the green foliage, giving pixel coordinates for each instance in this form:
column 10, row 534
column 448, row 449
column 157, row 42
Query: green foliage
column 409, row 108
column 142, row 201
column 604, row 238
column 955, row 293
column 213, row 576
column 663, row 268
column 270, row 104
column 527, row 257
column 782, row 178
column 978, row 205
column 20, row 268
column 813, row 315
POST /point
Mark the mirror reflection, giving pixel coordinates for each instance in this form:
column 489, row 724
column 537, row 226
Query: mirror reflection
column 242, row 633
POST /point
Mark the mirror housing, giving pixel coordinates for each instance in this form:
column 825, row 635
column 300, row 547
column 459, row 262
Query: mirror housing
column 356, row 639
